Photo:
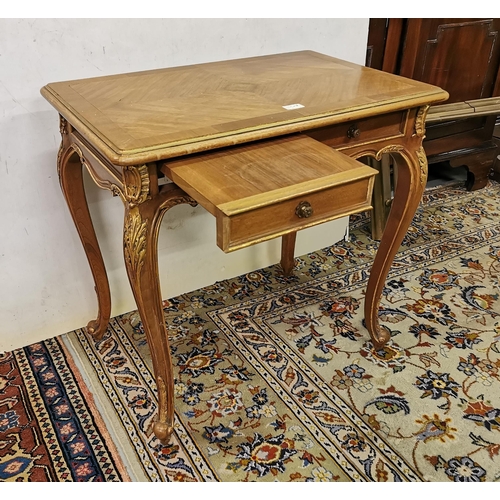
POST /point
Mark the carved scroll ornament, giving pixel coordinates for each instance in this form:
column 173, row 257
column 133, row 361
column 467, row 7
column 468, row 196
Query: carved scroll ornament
column 63, row 129
column 422, row 162
column 135, row 240
column 136, row 182
column 420, row 121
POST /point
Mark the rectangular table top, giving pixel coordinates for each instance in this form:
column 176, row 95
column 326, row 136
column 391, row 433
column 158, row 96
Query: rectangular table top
column 163, row 113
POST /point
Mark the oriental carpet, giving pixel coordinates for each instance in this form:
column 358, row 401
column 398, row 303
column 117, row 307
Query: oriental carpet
column 50, row 429
column 276, row 379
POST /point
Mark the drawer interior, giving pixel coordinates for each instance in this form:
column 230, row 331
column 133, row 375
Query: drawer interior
column 265, row 189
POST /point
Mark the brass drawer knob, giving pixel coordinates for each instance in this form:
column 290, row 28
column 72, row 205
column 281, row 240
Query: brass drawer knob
column 304, row 210
column 353, row 132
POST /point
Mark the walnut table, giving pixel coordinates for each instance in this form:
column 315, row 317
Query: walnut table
column 268, row 145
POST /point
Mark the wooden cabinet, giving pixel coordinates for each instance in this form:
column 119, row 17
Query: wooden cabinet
column 461, row 56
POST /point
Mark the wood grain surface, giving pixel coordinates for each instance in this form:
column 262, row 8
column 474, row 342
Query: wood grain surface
column 152, row 115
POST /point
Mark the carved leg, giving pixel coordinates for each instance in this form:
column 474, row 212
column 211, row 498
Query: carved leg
column 142, row 224
column 70, row 172
column 412, row 176
column 288, row 253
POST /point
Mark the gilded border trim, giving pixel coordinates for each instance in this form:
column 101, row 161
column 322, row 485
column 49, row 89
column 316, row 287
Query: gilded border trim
column 392, row 148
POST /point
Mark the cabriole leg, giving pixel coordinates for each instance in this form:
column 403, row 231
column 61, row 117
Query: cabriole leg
column 70, row 171
column 140, row 236
column 412, row 176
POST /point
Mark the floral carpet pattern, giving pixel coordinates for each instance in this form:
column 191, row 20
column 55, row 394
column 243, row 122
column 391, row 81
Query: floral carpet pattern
column 49, row 429
column 276, row 379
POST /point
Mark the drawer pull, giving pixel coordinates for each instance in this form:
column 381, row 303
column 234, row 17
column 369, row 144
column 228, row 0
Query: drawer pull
column 353, row 132
column 304, row 210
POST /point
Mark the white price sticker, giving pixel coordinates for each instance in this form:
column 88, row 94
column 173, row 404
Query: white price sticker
column 293, row 106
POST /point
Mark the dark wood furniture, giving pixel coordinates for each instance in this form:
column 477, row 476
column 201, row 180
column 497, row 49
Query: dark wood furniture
column 463, row 57
column 268, row 145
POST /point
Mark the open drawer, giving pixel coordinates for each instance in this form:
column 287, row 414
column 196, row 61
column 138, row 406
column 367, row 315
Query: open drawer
column 266, row 189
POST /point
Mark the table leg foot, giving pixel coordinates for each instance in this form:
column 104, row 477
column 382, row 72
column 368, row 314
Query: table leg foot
column 412, row 176
column 162, row 431
column 97, row 328
column 379, row 337
column 70, row 171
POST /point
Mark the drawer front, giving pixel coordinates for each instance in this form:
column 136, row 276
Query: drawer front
column 363, row 131
column 261, row 224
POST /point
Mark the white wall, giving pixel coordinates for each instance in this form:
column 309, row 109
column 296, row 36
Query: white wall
column 46, row 288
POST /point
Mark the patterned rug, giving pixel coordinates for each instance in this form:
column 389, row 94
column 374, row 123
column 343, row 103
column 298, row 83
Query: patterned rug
column 276, row 379
column 50, row 429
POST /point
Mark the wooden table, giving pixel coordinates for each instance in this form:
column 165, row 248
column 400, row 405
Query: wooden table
column 267, row 144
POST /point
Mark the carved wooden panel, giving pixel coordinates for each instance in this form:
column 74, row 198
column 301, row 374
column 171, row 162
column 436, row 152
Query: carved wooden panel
column 463, row 57
column 459, row 55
